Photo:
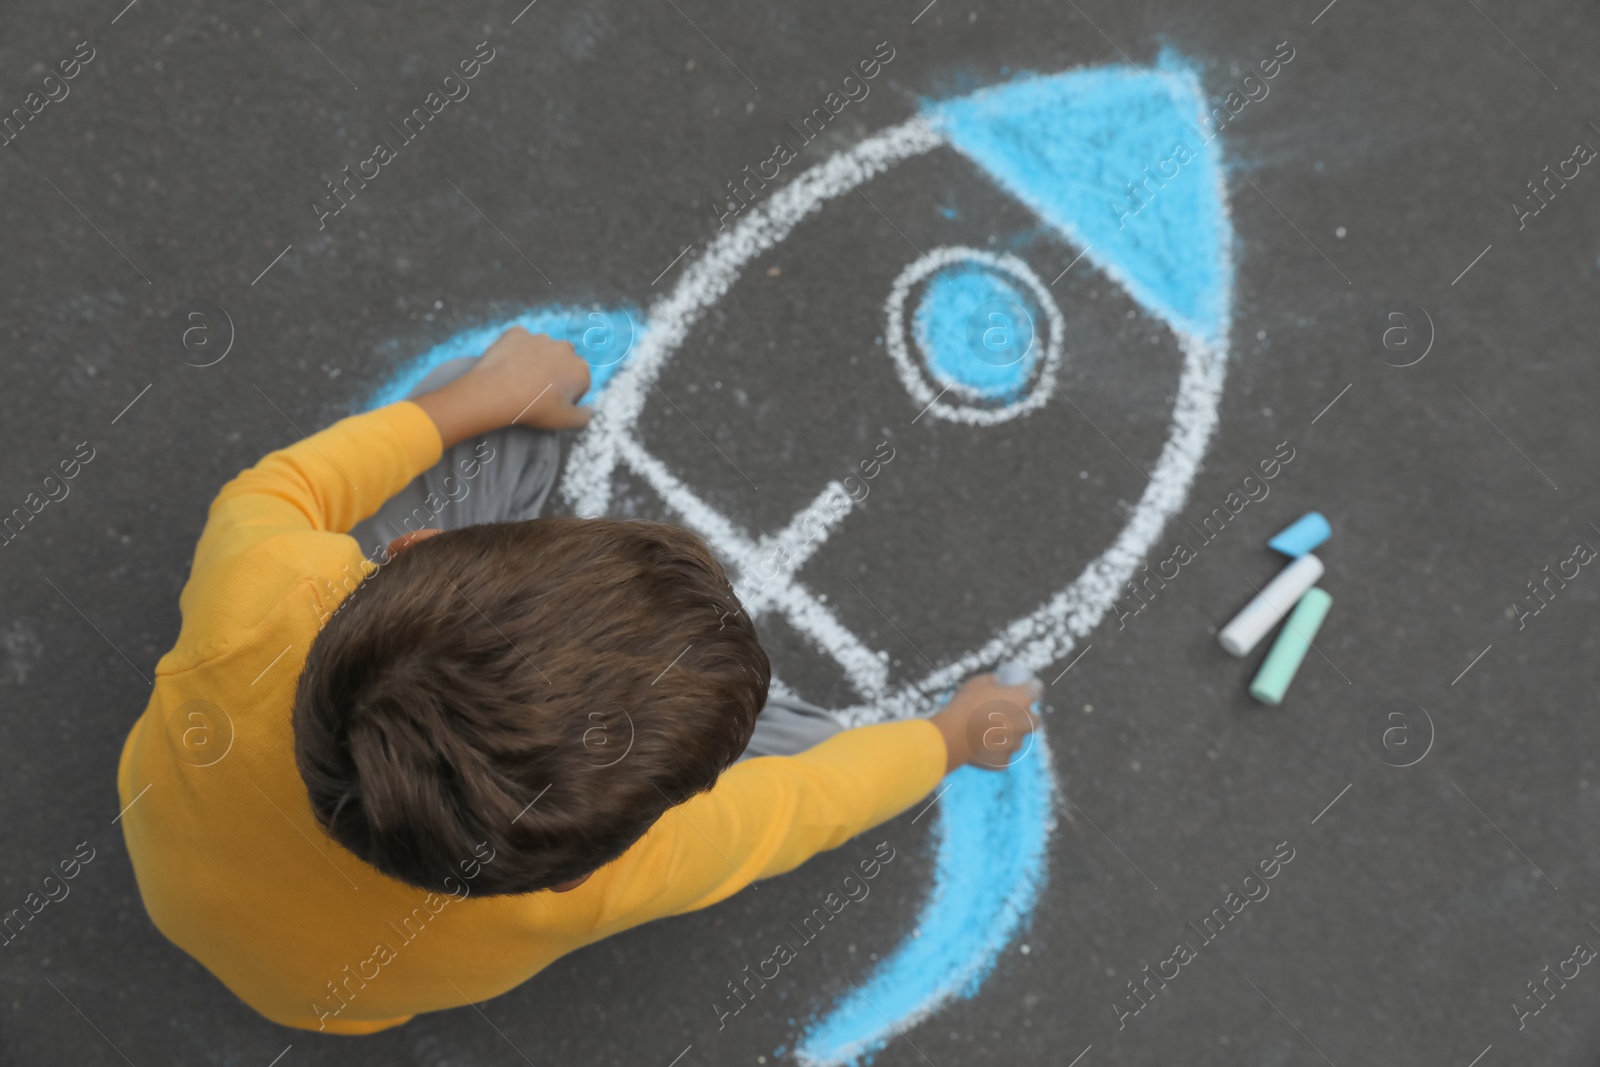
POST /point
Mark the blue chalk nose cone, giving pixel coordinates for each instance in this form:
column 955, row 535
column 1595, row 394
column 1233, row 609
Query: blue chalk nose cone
column 1121, row 161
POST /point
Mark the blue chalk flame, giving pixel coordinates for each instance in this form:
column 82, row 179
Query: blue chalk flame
column 991, row 841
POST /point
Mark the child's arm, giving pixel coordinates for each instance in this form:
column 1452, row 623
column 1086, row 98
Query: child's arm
column 334, row 479
column 769, row 815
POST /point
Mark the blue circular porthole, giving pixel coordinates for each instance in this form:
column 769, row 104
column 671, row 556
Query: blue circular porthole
column 975, row 336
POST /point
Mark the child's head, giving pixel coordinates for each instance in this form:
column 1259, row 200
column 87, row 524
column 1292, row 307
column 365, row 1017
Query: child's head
column 597, row 670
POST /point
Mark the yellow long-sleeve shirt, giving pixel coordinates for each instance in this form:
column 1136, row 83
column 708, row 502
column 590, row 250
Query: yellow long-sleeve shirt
column 233, row 866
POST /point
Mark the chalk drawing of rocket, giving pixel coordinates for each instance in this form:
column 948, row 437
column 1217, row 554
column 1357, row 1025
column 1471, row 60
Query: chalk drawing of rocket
column 1117, row 164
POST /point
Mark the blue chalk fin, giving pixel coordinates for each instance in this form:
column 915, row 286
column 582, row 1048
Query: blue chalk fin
column 1068, row 144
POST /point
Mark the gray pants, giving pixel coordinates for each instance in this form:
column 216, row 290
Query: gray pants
column 506, row 476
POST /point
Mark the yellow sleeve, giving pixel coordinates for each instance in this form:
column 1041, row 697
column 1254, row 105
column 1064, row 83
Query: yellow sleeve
column 333, row 479
column 768, row 815
column 278, row 529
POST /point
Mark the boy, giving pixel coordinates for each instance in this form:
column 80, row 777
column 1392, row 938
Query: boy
column 506, row 740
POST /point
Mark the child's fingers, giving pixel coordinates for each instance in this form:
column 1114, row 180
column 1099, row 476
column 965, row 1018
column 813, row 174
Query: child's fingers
column 999, row 727
column 563, row 416
column 1027, row 693
column 573, row 417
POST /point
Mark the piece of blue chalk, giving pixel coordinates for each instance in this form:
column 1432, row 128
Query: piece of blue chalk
column 1306, row 533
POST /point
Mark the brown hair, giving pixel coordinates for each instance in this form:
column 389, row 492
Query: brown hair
column 549, row 687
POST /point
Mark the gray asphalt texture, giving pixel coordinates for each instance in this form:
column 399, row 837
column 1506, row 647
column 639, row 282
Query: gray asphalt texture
column 1417, row 906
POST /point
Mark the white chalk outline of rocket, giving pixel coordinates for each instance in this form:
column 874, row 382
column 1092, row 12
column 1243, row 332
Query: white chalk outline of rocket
column 1043, row 636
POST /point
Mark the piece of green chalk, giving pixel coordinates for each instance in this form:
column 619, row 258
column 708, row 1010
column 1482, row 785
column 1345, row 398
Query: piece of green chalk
column 1289, row 650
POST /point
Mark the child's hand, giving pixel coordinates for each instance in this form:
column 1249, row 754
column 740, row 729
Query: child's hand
column 985, row 722
column 543, row 377
column 521, row 380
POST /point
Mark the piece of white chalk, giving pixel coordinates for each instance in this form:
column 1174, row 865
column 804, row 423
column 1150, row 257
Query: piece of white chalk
column 1012, row 673
column 1016, row 673
column 1270, row 605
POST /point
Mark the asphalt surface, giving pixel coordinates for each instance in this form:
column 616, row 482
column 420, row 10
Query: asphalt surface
column 1376, row 177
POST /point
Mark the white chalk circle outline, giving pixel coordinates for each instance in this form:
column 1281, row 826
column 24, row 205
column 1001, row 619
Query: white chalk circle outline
column 921, row 389
column 1043, row 636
